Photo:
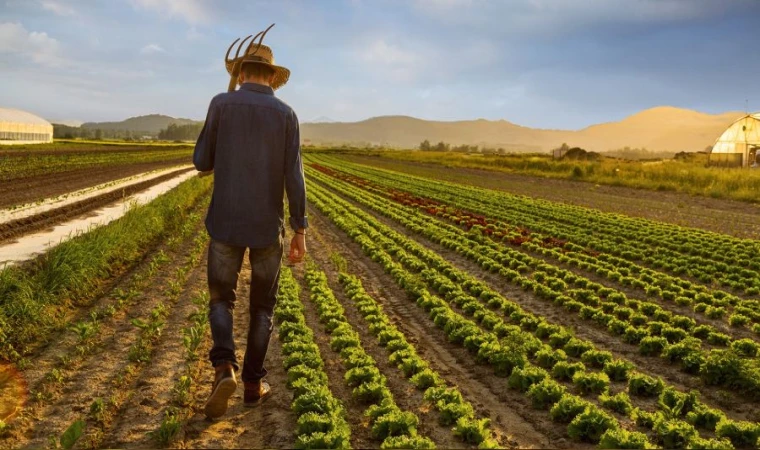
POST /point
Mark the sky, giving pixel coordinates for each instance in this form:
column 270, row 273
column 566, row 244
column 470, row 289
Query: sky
column 562, row 64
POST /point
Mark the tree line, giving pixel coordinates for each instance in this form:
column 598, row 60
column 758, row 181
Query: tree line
column 441, row 146
column 171, row 133
column 180, row 132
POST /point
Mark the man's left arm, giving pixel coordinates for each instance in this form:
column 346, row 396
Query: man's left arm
column 295, row 185
column 205, row 147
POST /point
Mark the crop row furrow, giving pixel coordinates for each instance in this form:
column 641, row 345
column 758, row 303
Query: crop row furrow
column 638, row 384
column 706, row 256
column 732, row 368
column 391, row 426
column 510, row 357
column 38, row 300
column 321, row 416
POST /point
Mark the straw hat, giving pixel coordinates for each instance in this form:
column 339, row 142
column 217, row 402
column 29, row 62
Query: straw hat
column 254, row 54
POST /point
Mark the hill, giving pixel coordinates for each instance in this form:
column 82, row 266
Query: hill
column 659, row 129
column 150, row 124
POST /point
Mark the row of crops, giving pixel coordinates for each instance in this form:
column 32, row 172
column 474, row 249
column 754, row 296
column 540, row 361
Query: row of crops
column 93, row 314
column 601, row 395
column 21, row 164
column 706, row 256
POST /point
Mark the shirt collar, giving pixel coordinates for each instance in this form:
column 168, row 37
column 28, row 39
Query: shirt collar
column 257, row 88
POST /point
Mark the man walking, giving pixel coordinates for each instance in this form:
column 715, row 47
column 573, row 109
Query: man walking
column 251, row 143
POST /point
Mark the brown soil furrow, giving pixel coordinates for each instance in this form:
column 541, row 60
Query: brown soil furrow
column 36, row 187
column 404, row 393
column 508, row 410
column 79, row 368
column 62, row 343
column 19, row 227
column 732, row 403
column 142, row 413
column 271, row 425
column 98, row 373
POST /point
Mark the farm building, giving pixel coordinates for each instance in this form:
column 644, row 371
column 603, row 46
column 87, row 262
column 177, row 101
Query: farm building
column 21, row 127
column 739, row 145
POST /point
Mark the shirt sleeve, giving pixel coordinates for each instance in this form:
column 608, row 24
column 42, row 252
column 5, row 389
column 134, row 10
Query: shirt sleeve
column 295, row 186
column 205, row 147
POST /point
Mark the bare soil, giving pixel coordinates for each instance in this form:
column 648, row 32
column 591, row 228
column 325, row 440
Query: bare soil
column 20, row 227
column 68, row 382
column 30, row 189
column 270, row 425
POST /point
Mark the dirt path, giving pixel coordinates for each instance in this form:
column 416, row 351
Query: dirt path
column 30, row 189
column 736, row 218
column 272, row 425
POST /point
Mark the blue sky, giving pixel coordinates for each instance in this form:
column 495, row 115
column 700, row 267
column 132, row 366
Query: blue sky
column 541, row 63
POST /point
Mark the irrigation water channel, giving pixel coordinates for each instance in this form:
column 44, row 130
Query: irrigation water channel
column 31, row 245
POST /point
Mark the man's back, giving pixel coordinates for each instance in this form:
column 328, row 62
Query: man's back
column 251, row 141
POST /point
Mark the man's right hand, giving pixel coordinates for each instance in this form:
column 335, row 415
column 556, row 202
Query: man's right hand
column 297, row 247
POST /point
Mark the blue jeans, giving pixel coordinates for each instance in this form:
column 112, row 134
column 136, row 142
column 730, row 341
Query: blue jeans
column 224, row 263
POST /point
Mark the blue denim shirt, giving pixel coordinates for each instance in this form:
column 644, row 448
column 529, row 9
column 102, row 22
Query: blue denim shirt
column 251, row 141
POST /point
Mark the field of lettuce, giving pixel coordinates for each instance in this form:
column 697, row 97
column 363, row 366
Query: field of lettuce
column 429, row 314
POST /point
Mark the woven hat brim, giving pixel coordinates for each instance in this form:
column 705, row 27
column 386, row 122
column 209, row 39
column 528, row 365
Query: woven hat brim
column 281, row 74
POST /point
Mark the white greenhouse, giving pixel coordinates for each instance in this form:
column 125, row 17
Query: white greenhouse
column 739, row 145
column 21, row 127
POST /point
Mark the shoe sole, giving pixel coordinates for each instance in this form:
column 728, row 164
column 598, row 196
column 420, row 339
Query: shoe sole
column 216, row 405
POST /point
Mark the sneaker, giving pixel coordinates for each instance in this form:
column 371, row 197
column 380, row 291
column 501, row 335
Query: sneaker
column 256, row 393
column 223, row 388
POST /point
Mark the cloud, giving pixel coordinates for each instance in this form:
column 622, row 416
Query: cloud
column 32, row 45
column 390, row 60
column 194, row 35
column 551, row 17
column 58, row 8
column 152, row 49
column 191, row 11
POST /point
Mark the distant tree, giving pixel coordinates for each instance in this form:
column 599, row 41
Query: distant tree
column 176, row 132
column 579, row 154
column 98, row 134
column 442, row 147
column 425, row 146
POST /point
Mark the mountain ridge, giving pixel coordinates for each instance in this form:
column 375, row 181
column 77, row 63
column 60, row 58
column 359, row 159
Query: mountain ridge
column 662, row 128
column 150, row 123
